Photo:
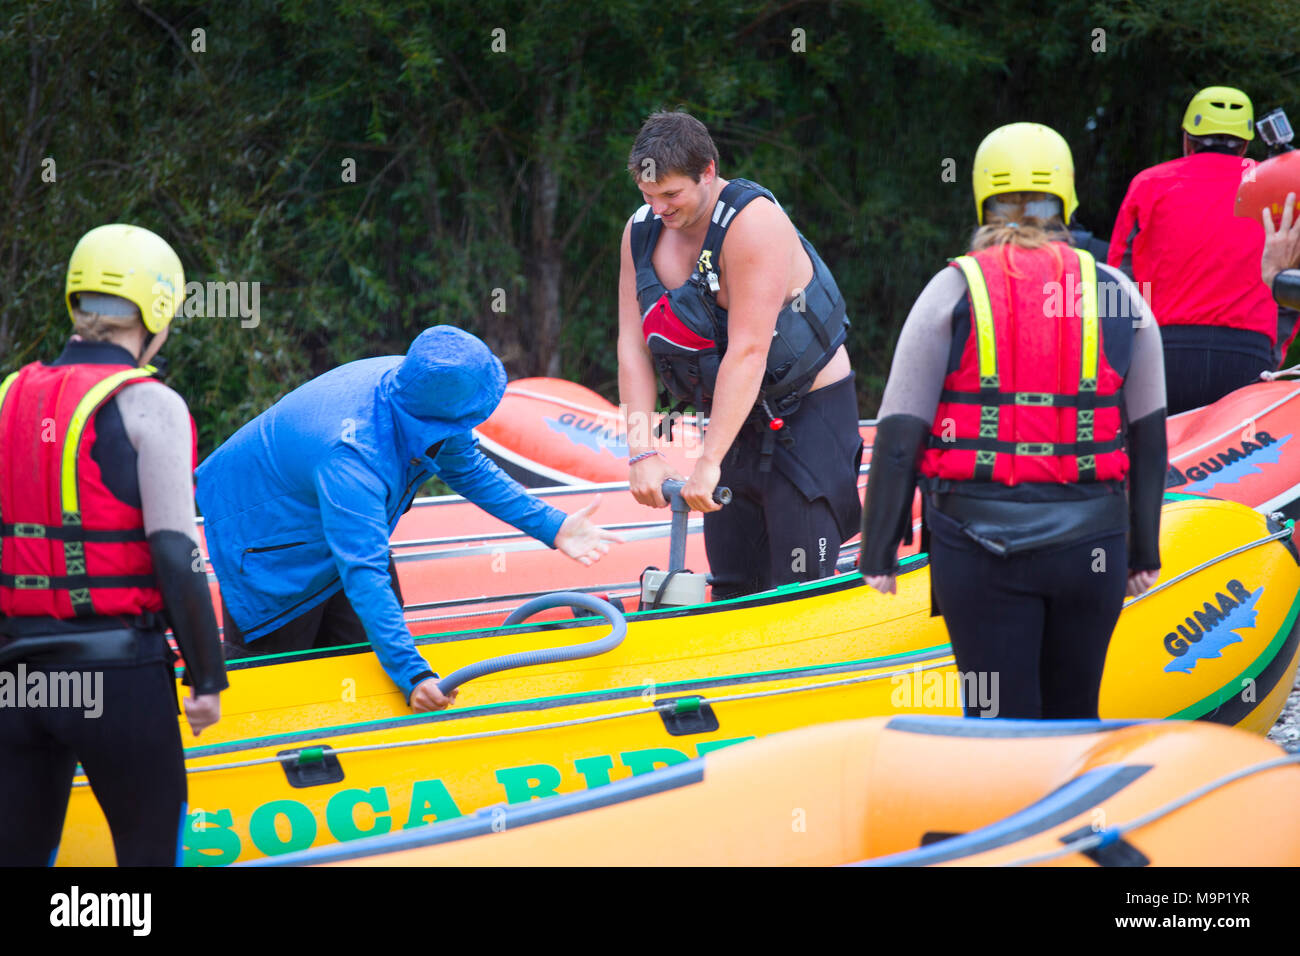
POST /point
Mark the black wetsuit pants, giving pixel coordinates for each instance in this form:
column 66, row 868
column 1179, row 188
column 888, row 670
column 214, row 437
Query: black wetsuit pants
column 127, row 740
column 333, row 623
column 787, row 523
column 1029, row 631
column 1205, row 363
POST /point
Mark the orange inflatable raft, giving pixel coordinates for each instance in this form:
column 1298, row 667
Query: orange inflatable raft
column 1243, row 448
column 461, row 568
column 548, row 431
column 899, row 791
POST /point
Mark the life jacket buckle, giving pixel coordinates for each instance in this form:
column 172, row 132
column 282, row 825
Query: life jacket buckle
column 1035, row 448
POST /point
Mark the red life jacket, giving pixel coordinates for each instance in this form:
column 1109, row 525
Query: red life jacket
column 70, row 547
column 1034, row 398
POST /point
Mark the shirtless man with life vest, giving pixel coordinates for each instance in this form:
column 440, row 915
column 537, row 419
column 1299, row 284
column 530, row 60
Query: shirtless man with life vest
column 751, row 333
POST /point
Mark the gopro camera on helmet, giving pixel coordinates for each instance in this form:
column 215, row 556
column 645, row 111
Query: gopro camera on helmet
column 1276, row 132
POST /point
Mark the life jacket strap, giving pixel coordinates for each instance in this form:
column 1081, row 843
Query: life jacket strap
column 1033, row 399
column 70, row 582
column 68, row 533
column 1076, row 449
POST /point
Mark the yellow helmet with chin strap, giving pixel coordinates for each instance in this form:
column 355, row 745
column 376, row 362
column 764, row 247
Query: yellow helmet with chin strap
column 1220, row 110
column 132, row 263
column 1024, row 157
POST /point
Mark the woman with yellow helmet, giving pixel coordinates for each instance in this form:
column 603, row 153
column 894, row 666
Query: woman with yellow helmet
column 99, row 554
column 1028, row 391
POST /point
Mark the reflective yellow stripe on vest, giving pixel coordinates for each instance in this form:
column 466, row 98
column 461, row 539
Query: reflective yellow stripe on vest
column 1089, row 358
column 1091, row 337
column 74, row 552
column 984, row 336
column 89, row 403
column 986, row 340
column 4, row 386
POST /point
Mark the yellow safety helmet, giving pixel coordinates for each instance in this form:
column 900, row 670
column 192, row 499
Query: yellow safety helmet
column 133, row 263
column 1220, row 109
column 1024, row 157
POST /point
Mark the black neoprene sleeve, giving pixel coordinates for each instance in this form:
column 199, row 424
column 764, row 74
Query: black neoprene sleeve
column 1286, row 288
column 185, row 593
column 1148, row 453
column 887, row 518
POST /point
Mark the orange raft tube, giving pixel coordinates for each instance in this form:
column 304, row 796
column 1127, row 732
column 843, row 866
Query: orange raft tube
column 550, row 432
column 1245, row 448
column 460, row 568
column 903, row 791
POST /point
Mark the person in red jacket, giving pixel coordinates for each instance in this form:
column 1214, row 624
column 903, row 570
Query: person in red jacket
column 1197, row 264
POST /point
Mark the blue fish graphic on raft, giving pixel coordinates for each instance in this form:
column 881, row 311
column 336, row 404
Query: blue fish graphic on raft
column 1230, row 474
column 589, row 434
column 1209, row 631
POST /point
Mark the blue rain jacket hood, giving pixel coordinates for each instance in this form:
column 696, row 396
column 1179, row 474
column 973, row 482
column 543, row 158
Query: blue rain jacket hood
column 448, row 383
column 302, row 500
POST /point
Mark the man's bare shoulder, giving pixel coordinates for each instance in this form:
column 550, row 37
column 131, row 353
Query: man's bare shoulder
column 758, row 224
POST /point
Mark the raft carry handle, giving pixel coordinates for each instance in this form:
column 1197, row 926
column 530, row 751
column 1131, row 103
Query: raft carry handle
column 618, row 631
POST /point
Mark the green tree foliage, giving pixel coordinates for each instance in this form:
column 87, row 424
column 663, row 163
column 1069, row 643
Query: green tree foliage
column 489, row 140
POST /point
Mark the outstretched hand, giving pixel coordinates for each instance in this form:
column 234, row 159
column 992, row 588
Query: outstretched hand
column 582, row 540
column 1281, row 244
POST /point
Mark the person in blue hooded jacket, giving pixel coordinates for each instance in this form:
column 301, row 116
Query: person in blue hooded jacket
column 299, row 504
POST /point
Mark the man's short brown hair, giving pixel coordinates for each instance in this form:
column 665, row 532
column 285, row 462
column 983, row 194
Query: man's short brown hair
column 671, row 143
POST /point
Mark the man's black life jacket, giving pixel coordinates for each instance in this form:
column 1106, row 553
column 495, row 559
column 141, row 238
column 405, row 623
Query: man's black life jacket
column 686, row 330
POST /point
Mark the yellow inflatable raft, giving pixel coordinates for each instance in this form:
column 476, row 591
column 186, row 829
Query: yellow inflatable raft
column 836, row 621
column 906, row 791
column 329, row 753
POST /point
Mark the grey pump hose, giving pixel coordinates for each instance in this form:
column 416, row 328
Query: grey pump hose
column 590, row 602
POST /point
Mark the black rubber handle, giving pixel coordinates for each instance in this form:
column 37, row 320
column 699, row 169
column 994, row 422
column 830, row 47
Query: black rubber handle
column 672, row 487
